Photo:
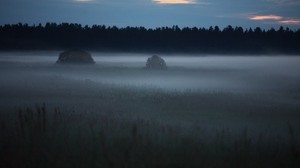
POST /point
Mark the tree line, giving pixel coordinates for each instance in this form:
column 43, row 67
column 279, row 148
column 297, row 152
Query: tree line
column 230, row 40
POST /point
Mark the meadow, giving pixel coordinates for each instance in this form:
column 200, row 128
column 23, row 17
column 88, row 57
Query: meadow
column 208, row 111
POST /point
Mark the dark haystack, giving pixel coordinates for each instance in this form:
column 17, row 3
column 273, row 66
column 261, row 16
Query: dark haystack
column 75, row 56
column 156, row 62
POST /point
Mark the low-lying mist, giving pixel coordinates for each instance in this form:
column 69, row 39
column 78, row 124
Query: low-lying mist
column 205, row 73
column 202, row 111
column 204, row 84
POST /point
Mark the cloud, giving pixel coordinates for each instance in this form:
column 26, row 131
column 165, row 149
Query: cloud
column 265, row 17
column 285, row 2
column 277, row 19
column 175, row 1
column 290, row 21
column 84, row 0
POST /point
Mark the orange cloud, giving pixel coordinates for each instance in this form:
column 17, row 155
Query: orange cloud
column 276, row 19
column 290, row 21
column 174, row 1
column 266, row 17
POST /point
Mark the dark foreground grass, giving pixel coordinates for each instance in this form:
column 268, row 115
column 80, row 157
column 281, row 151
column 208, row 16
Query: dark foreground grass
column 40, row 137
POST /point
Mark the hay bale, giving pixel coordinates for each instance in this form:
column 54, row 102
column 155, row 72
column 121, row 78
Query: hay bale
column 156, row 62
column 75, row 56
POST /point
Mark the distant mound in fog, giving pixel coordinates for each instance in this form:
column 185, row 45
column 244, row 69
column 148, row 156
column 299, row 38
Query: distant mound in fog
column 156, row 62
column 75, row 57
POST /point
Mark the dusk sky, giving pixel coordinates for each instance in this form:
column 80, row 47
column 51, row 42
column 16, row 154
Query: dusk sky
column 155, row 13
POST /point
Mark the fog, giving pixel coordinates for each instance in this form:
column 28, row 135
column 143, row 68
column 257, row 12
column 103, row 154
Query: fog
column 207, row 73
column 219, row 91
column 204, row 73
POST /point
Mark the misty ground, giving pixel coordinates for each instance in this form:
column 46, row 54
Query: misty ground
column 220, row 88
column 260, row 94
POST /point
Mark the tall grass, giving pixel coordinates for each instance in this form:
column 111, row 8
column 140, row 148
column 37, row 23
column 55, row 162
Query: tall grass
column 43, row 137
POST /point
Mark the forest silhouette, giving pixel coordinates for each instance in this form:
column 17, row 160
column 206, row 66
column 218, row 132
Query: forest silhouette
column 212, row 40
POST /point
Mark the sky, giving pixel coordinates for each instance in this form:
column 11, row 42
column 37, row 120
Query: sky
column 155, row 13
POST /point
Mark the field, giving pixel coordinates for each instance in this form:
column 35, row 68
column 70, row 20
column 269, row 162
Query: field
column 203, row 111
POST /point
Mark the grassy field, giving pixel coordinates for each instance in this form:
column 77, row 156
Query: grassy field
column 106, row 116
column 153, row 129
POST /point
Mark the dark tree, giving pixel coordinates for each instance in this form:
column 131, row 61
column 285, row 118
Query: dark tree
column 230, row 40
